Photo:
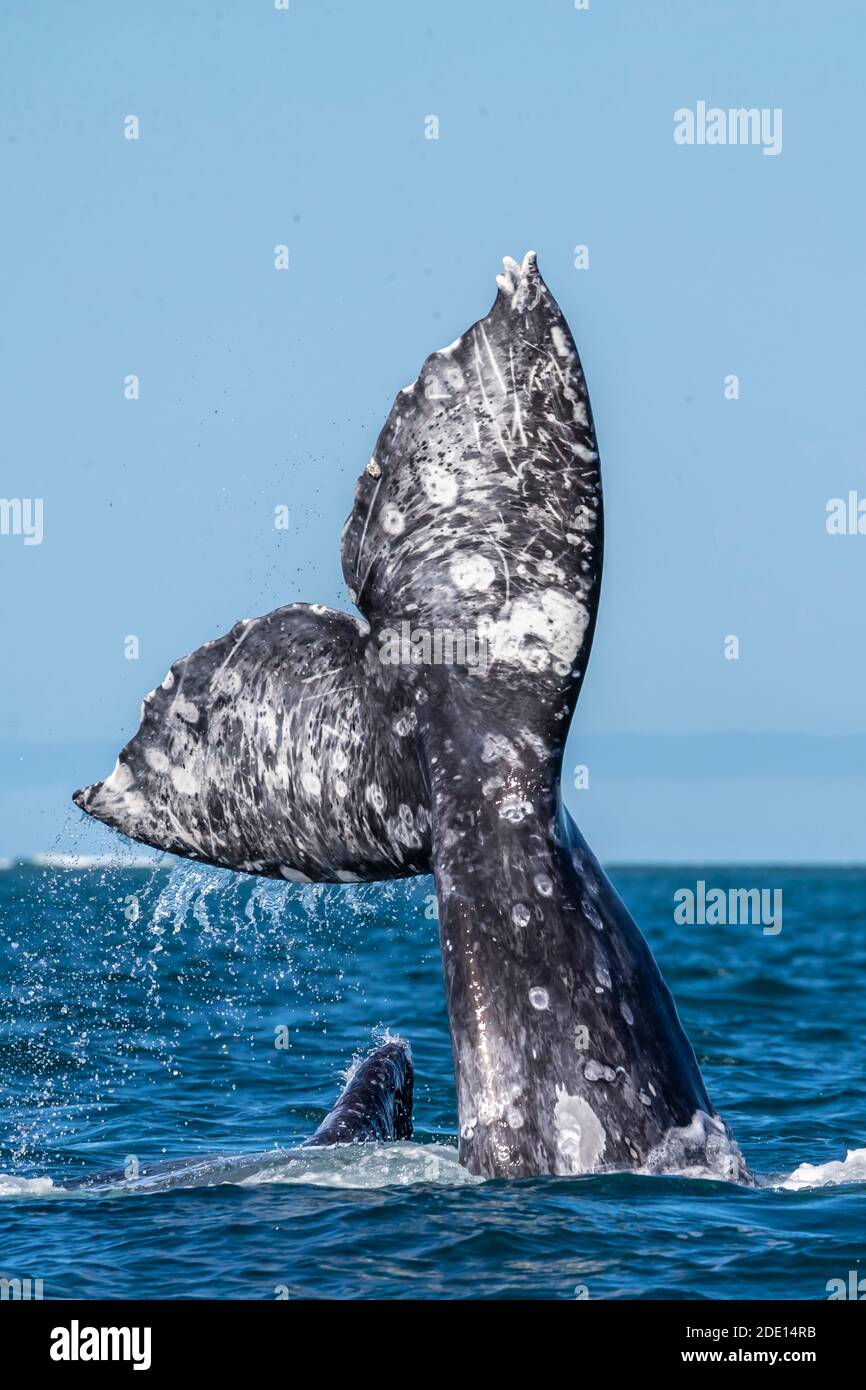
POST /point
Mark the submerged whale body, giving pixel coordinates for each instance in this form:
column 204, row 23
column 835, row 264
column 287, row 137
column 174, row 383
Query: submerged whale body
column 297, row 747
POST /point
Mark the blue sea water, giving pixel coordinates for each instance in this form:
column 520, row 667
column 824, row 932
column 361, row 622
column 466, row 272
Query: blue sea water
column 140, row 1012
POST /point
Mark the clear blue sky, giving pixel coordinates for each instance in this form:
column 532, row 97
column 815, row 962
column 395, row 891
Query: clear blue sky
column 260, row 127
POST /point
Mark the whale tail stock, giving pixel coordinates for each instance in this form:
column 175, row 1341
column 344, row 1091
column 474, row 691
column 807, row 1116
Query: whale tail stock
column 313, row 746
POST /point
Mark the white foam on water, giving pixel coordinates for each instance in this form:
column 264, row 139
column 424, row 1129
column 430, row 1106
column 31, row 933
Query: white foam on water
column 25, row 1187
column 850, row 1169
column 373, row 1166
column 348, row 1166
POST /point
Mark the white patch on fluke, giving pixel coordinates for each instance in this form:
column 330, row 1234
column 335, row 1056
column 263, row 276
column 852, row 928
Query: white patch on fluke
column 120, row 780
column 393, row 520
column 537, row 633
column 580, row 1136
column 514, row 809
column 472, row 572
column 440, row 486
column 597, row 1071
column 498, row 748
column 184, row 781
column 293, row 875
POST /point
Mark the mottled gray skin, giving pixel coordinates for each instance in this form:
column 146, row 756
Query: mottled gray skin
column 375, row 1103
column 290, row 748
column 267, row 751
column 568, row 1051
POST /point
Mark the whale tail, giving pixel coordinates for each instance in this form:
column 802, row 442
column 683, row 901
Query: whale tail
column 375, row 1104
column 291, row 746
column 315, row 746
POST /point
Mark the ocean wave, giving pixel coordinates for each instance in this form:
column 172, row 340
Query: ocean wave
column 344, row 1166
column 373, row 1167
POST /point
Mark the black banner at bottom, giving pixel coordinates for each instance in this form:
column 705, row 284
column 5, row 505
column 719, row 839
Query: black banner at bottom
column 242, row 1337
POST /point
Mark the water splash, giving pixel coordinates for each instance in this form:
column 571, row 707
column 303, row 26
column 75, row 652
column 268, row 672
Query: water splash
column 851, row 1169
column 120, row 976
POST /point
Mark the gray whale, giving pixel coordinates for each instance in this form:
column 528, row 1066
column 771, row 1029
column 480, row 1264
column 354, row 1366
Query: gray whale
column 374, row 1106
column 297, row 746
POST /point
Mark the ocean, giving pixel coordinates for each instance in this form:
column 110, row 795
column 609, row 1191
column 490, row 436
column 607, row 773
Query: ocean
column 178, row 1013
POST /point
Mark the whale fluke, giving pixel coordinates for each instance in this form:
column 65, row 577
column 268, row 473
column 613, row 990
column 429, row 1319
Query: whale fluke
column 280, row 749
column 313, row 746
column 481, row 506
column 289, row 747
